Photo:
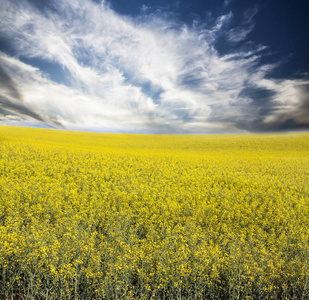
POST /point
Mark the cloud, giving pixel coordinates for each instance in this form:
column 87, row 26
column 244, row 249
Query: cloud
column 289, row 107
column 11, row 99
column 150, row 73
column 241, row 32
column 59, row 105
column 227, row 2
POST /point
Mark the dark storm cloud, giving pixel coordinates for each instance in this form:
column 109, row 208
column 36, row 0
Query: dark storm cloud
column 303, row 109
column 11, row 99
column 8, row 84
column 260, row 103
column 266, row 113
column 18, row 109
column 297, row 117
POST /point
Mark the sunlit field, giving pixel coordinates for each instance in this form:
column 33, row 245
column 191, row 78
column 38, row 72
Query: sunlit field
column 124, row 216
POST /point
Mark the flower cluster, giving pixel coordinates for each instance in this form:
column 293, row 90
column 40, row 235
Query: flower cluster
column 116, row 216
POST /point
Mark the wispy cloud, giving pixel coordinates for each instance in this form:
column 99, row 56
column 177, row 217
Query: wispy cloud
column 227, row 2
column 145, row 74
column 241, row 32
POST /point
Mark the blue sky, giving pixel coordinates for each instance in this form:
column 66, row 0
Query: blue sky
column 155, row 66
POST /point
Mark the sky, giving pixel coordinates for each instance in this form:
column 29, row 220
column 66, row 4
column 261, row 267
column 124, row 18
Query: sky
column 164, row 66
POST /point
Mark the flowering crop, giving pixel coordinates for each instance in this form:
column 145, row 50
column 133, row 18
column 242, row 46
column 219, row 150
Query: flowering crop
column 120, row 216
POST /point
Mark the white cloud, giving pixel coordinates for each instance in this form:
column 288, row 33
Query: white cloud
column 240, row 33
column 227, row 2
column 70, row 107
column 148, row 74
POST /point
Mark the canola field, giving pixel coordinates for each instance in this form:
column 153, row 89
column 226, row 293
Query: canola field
column 125, row 216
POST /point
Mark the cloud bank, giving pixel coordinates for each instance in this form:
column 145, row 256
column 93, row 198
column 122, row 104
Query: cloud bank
column 148, row 74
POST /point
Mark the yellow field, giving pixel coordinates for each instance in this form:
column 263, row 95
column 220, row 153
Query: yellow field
column 119, row 216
